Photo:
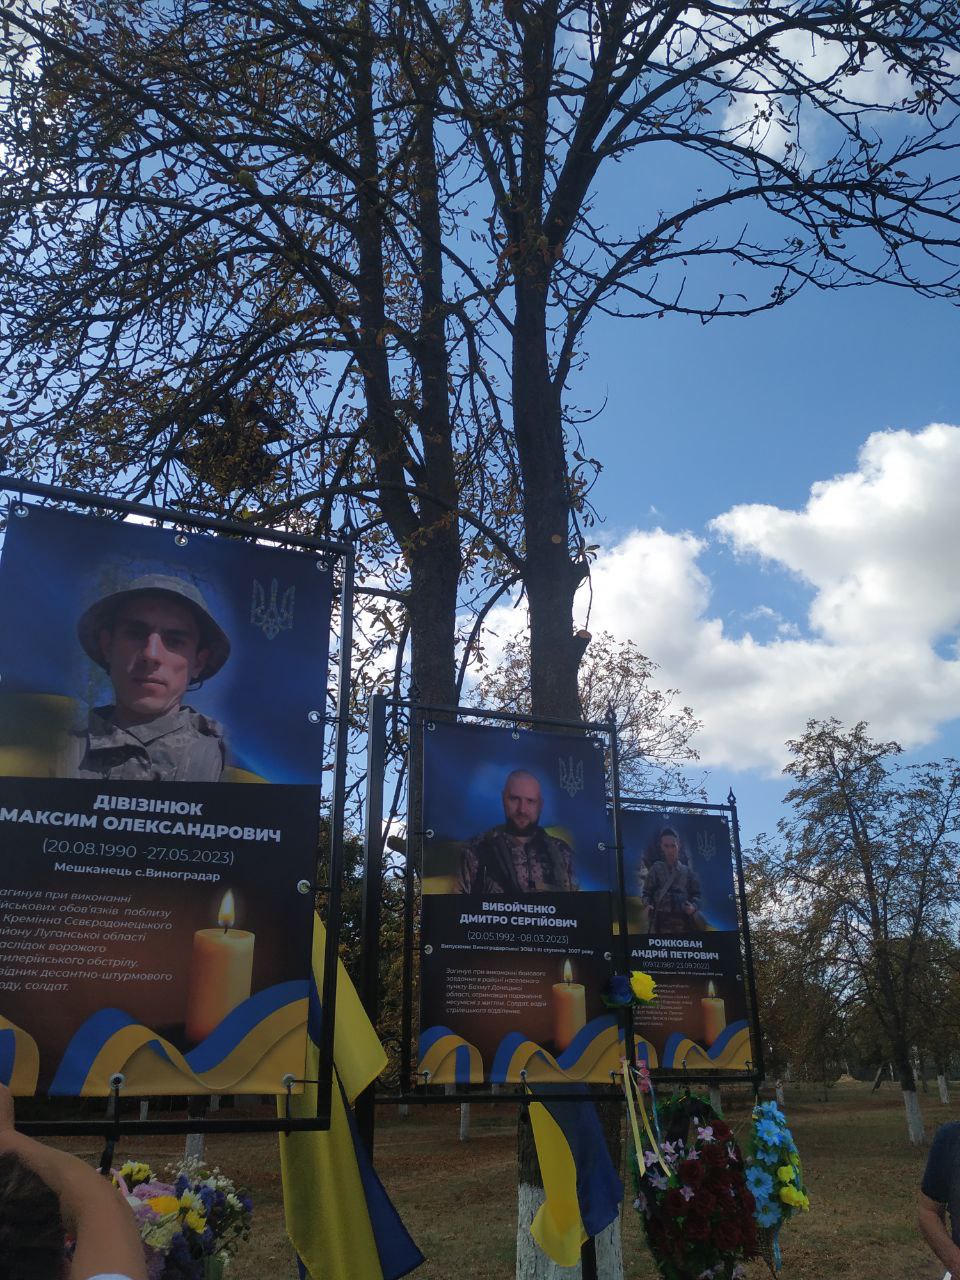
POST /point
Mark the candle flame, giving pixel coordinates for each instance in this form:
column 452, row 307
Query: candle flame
column 567, row 971
column 711, row 990
column 226, row 914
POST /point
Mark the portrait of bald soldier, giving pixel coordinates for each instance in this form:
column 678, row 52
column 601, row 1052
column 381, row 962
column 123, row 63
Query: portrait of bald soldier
column 517, row 856
column 156, row 639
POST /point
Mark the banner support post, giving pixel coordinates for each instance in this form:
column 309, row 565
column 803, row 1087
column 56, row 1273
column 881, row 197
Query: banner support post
column 328, row 996
column 758, row 1068
column 414, row 846
column 364, row 1108
column 630, row 1045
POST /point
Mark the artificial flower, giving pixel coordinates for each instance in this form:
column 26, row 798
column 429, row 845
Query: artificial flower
column 642, row 986
column 617, row 993
column 164, row 1204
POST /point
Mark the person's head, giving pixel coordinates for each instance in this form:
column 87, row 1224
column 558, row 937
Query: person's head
column 31, row 1231
column 154, row 640
column 669, row 846
column 522, row 802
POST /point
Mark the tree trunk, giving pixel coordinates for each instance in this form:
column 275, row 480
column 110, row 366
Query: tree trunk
column 908, row 1087
column 942, row 1088
column 532, row 1262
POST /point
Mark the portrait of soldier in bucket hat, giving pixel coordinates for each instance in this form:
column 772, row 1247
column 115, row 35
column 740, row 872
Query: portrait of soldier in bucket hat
column 156, row 638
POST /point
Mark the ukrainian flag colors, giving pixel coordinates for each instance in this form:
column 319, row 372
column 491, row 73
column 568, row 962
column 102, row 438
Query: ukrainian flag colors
column 339, row 1217
column 581, row 1188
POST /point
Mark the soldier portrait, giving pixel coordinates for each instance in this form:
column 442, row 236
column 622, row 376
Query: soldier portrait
column 517, row 856
column 156, row 639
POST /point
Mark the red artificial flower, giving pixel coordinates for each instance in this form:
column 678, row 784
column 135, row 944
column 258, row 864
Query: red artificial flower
column 721, row 1131
column 714, row 1154
column 691, row 1172
column 674, row 1202
column 698, row 1226
column 705, row 1200
column 727, row 1233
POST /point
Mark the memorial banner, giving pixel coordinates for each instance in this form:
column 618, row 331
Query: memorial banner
column 518, row 872
column 156, row 911
column 684, row 932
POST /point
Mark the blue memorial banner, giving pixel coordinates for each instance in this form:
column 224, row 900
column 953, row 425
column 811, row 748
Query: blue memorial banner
column 162, row 700
column 518, row 904
column 684, row 931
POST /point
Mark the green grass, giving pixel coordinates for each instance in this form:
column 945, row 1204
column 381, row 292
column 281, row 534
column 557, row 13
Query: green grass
column 459, row 1199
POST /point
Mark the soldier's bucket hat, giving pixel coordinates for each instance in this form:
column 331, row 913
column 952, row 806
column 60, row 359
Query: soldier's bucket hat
column 102, row 612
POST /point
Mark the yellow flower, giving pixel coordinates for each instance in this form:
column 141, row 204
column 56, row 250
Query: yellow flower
column 195, row 1221
column 164, row 1204
column 805, row 1203
column 791, row 1196
column 642, row 985
column 785, row 1173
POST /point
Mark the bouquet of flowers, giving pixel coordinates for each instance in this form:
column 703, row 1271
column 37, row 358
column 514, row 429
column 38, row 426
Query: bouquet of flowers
column 190, row 1225
column 697, row 1208
column 775, row 1177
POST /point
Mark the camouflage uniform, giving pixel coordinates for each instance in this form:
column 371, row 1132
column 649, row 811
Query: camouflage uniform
column 182, row 746
column 500, row 866
column 665, row 892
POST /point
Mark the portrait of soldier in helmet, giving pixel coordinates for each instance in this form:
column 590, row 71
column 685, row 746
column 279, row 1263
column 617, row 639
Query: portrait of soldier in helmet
column 156, row 639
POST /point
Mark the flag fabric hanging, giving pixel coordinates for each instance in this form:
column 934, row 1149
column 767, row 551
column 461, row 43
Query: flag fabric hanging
column 339, row 1217
column 581, row 1188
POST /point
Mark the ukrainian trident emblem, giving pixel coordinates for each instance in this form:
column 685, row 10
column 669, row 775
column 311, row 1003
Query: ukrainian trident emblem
column 706, row 844
column 275, row 614
column 571, row 775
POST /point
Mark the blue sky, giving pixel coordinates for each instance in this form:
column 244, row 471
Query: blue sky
column 702, row 419
column 784, row 609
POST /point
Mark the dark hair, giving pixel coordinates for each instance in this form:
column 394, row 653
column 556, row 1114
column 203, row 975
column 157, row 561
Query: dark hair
column 31, row 1231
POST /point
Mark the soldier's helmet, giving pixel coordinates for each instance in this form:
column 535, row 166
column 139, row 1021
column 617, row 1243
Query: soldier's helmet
column 103, row 612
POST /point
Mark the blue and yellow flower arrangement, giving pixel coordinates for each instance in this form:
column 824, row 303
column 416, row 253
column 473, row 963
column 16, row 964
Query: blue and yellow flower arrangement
column 775, row 1176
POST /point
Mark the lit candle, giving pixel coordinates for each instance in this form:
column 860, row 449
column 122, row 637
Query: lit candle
column 714, row 1015
column 220, row 972
column 569, row 1008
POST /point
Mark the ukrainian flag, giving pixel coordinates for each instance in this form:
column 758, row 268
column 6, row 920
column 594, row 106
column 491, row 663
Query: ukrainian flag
column 581, row 1187
column 339, row 1217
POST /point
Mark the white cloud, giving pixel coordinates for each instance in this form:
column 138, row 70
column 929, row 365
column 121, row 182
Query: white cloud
column 877, row 548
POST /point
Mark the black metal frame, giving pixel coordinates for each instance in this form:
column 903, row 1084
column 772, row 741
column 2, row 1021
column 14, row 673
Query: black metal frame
column 755, row 1074
column 421, row 714
column 112, row 1127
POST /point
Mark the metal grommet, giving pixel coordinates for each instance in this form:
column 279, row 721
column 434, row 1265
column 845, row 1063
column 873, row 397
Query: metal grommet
column 288, row 1081
column 597, row 744
column 430, row 726
column 314, row 717
column 428, row 950
column 322, row 565
column 601, row 846
column 20, row 509
column 117, row 1080
column 303, row 886
column 180, row 539
column 515, row 735
column 429, row 833
column 608, row 955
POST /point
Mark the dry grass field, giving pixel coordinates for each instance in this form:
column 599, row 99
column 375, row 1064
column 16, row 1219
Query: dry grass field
column 458, row 1199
